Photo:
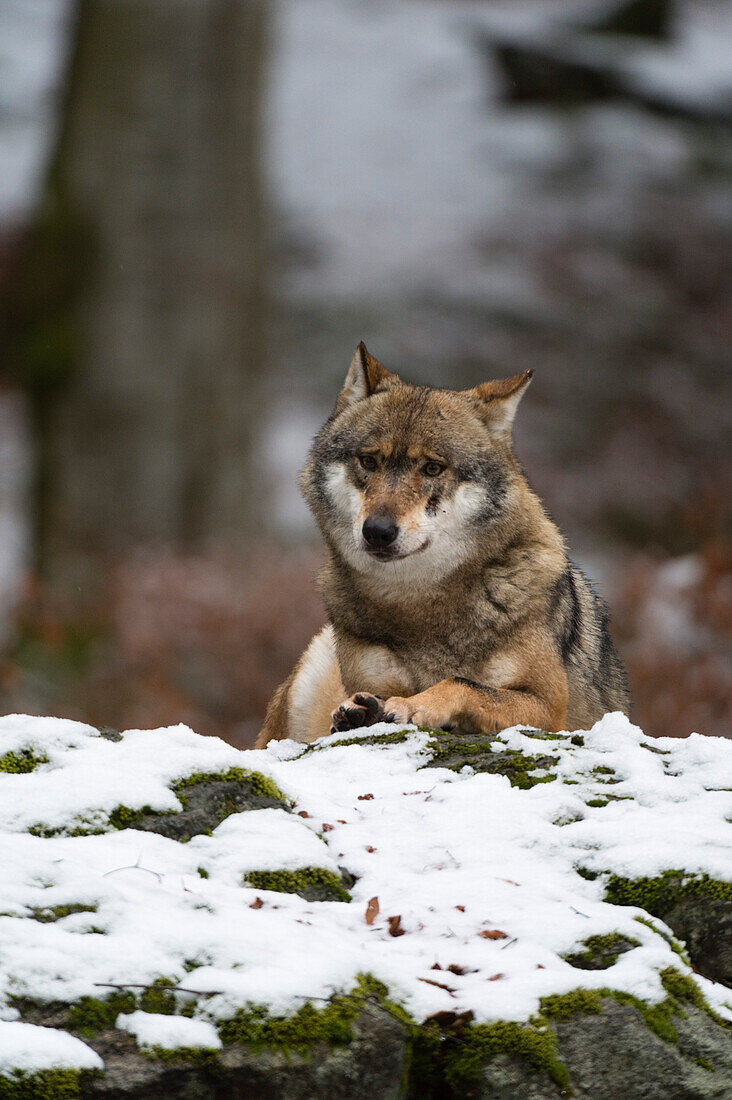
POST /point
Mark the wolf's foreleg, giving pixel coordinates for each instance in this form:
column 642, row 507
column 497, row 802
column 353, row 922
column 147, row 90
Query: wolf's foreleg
column 475, row 708
column 301, row 707
column 536, row 694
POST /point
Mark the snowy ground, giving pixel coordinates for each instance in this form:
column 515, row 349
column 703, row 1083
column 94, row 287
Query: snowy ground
column 479, row 875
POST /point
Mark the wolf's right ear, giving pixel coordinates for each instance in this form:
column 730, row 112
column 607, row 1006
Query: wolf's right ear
column 365, row 376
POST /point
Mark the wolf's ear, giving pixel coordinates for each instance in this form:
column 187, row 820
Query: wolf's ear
column 499, row 400
column 365, row 376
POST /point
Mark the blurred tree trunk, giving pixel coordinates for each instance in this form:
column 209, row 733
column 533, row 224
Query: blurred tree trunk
column 147, row 433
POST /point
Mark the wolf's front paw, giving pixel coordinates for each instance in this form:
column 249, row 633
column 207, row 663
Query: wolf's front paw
column 362, row 709
column 419, row 710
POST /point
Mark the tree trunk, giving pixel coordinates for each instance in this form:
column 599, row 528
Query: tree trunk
column 148, row 435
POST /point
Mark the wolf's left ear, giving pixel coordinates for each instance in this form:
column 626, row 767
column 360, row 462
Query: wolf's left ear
column 499, row 400
column 365, row 376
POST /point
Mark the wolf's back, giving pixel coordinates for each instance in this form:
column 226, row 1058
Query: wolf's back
column 597, row 680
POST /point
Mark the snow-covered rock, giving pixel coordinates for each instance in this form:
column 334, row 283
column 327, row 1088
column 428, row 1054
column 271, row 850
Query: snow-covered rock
column 487, row 910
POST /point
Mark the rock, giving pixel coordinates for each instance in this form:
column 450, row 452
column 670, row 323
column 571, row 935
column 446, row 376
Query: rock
column 372, row 1064
column 705, row 925
column 613, row 1054
column 347, row 947
column 207, row 803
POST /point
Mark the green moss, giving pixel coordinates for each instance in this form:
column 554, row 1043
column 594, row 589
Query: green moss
column 533, row 1043
column 584, row 872
column 395, row 738
column 578, row 740
column 670, row 940
column 560, row 1006
column 598, row 803
column 46, row 1084
column 125, row 817
column 601, row 952
column 22, row 762
column 159, row 997
column 196, row 1056
column 660, row 894
column 89, row 1015
column 521, row 769
column 260, row 784
column 58, row 912
column 203, row 873
column 680, row 989
column 331, row 1025
column 657, row 1017
column 309, row 882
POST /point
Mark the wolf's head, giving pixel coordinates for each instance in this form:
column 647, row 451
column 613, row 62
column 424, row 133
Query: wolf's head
column 409, row 475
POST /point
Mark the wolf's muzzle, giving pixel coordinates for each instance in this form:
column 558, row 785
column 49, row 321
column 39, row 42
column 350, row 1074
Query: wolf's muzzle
column 379, row 531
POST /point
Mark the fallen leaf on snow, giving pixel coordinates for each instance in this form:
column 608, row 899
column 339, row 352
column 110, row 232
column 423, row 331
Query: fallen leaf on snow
column 395, row 927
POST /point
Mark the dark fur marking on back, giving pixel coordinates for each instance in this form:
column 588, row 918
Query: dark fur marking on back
column 565, row 606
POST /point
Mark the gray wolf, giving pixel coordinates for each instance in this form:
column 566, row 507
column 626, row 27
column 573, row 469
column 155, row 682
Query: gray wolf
column 451, row 599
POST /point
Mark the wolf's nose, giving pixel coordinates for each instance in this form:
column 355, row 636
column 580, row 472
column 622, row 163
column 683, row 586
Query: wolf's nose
column 379, row 531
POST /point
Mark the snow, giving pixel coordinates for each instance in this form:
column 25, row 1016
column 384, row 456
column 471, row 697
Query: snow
column 169, row 1032
column 26, row 1048
column 452, row 854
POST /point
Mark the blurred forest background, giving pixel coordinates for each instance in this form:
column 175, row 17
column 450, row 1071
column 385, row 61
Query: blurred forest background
column 206, row 204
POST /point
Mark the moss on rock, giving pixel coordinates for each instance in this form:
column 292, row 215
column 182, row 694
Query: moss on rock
column 455, row 751
column 311, row 883
column 50, row 914
column 46, row 1084
column 601, row 952
column 21, row 762
column 660, row 894
column 261, row 785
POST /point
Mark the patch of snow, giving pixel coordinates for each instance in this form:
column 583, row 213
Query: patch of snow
column 169, row 1032
column 452, row 854
column 27, row 1048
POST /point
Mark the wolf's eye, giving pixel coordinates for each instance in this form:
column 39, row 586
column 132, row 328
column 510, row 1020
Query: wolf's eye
column 368, row 462
column 432, row 469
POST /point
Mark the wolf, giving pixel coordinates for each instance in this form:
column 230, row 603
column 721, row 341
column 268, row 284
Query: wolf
column 451, row 599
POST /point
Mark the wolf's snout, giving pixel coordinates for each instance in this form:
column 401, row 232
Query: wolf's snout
column 379, row 531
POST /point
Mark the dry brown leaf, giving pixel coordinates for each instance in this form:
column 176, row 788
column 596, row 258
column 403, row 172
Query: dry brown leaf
column 365, row 797
column 496, row 977
column 395, row 927
column 256, row 904
column 493, row 934
column 372, row 910
column 326, row 827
